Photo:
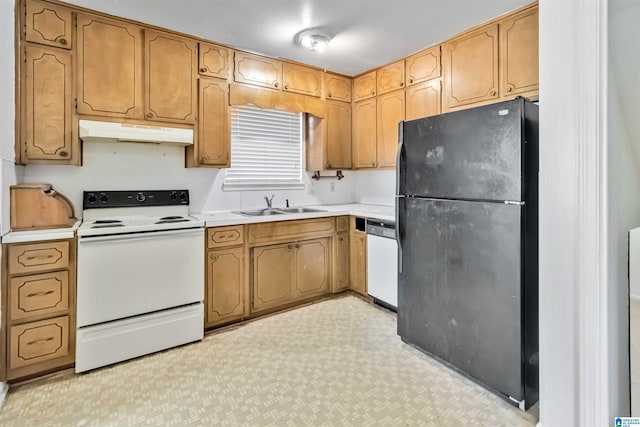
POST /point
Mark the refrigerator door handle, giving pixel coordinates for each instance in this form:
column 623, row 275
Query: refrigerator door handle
column 399, row 155
column 399, row 201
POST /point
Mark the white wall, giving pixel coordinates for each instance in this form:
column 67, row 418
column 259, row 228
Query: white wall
column 126, row 166
column 377, row 187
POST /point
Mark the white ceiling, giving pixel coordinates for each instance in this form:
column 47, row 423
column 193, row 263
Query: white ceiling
column 366, row 33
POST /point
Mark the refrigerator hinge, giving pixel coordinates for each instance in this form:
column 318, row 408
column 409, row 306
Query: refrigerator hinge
column 511, row 202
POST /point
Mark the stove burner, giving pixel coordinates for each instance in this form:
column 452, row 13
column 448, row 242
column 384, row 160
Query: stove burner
column 110, row 224
column 107, row 221
column 171, row 217
column 169, row 221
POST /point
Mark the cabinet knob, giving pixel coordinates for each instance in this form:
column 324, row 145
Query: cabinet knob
column 203, row 69
column 286, row 87
column 290, row 246
column 509, row 88
column 149, row 115
column 373, row 92
column 401, row 83
column 63, row 41
column 63, row 154
column 329, row 94
column 297, row 246
column 276, row 85
column 410, row 80
column 492, row 93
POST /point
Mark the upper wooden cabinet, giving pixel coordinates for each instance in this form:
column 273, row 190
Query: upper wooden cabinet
column 48, row 24
column 423, row 66
column 338, row 135
column 364, row 86
column 364, row 134
column 47, row 132
column 390, row 77
column 423, row 100
column 214, row 61
column 214, row 139
column 303, row 80
column 519, row 53
column 170, row 78
column 390, row 112
column 109, row 67
column 257, row 70
column 338, row 88
column 470, row 65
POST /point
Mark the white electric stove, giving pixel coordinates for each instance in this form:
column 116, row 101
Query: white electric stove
column 140, row 282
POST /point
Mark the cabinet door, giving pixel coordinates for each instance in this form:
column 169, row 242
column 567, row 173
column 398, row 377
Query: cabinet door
column 225, row 285
column 48, row 104
column 48, row 24
column 338, row 134
column 338, row 87
column 214, row 141
column 358, row 262
column 273, row 275
column 390, row 113
column 299, row 79
column 470, row 67
column 519, row 53
column 257, row 70
column 170, row 78
column 312, row 268
column 214, row 61
column 341, row 262
column 364, row 86
column 390, row 77
column 423, row 66
column 364, row 134
column 423, row 100
column 109, row 67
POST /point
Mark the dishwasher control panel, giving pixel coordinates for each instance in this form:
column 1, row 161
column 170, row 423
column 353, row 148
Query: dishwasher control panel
column 381, row 228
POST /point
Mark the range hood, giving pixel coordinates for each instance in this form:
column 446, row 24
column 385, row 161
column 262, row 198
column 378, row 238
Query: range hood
column 92, row 131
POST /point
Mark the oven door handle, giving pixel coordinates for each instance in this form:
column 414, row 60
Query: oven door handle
column 83, row 240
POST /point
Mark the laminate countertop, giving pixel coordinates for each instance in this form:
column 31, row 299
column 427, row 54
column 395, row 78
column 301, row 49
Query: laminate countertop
column 39, row 235
column 384, row 212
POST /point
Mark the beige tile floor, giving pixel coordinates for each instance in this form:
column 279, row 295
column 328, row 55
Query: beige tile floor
column 337, row 362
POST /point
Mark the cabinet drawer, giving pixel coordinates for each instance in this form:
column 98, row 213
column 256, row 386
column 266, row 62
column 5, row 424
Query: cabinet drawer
column 35, row 257
column 37, row 342
column 291, row 230
column 39, row 294
column 225, row 236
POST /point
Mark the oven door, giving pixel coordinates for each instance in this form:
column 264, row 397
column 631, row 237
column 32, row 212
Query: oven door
column 126, row 275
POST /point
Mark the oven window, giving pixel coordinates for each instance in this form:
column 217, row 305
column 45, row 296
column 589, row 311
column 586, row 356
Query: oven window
column 266, row 150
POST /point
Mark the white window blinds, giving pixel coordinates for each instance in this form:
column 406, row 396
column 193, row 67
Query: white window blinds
column 266, row 150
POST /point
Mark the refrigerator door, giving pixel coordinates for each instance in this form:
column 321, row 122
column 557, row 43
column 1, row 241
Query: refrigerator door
column 473, row 154
column 459, row 290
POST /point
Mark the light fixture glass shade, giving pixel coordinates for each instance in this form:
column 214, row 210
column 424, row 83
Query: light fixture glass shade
column 314, row 42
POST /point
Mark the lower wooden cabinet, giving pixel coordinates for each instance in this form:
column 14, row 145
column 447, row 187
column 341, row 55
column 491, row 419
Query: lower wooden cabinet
column 341, row 262
column 38, row 300
column 224, row 290
column 287, row 272
column 358, row 262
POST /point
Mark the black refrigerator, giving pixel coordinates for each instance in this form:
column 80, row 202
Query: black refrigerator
column 467, row 225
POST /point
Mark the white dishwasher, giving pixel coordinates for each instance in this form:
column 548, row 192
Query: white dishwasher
column 382, row 262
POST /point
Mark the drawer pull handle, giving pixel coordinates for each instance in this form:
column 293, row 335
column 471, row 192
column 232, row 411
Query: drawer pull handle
column 39, row 294
column 32, row 257
column 40, row 340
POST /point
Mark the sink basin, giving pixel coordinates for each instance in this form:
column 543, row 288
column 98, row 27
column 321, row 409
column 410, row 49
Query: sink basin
column 260, row 212
column 300, row 210
column 277, row 211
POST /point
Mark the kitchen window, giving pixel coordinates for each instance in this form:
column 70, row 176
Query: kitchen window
column 266, row 150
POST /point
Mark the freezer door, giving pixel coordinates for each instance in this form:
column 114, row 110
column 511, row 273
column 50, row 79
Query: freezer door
column 459, row 290
column 471, row 154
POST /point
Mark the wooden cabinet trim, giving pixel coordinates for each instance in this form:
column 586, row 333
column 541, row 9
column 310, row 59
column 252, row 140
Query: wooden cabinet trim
column 291, row 230
column 364, row 86
column 38, row 257
column 37, row 342
column 257, row 70
column 364, row 134
column 225, row 236
column 423, row 66
column 48, row 24
column 337, row 135
column 338, row 88
column 423, row 100
column 302, row 80
column 390, row 77
column 214, row 60
column 38, row 295
column 214, row 123
column 519, row 53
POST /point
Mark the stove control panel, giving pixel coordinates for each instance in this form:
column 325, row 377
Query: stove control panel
column 126, row 199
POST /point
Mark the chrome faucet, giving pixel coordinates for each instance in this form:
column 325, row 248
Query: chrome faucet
column 269, row 201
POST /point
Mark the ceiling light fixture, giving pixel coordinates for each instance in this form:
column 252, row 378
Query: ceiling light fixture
column 313, row 39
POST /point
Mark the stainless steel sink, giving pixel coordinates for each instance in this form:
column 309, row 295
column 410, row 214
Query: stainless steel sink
column 260, row 212
column 277, row 211
column 300, row 210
